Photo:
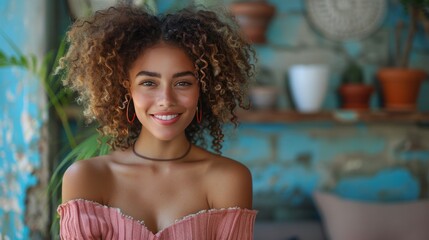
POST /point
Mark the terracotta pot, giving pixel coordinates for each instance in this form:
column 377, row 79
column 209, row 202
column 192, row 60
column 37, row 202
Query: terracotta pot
column 253, row 18
column 355, row 96
column 400, row 87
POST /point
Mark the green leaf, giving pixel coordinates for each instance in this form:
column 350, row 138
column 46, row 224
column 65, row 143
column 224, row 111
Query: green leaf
column 89, row 148
column 353, row 74
column 417, row 3
column 92, row 146
column 9, row 41
column 3, row 57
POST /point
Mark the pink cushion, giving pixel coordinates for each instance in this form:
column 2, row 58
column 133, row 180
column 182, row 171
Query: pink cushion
column 356, row 220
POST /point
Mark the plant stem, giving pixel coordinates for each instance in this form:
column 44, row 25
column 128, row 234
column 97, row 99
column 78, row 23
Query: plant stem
column 425, row 23
column 59, row 108
column 414, row 11
column 398, row 32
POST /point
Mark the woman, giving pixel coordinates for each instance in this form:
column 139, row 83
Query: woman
column 156, row 85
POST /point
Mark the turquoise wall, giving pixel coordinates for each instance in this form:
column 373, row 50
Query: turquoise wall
column 377, row 162
column 289, row 161
column 21, row 119
column 293, row 39
column 382, row 162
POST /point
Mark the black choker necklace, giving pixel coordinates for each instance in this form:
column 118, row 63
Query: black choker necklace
column 162, row 159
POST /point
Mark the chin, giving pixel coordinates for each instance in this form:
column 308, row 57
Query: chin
column 166, row 137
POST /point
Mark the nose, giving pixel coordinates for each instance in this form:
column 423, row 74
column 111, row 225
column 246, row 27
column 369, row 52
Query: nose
column 166, row 97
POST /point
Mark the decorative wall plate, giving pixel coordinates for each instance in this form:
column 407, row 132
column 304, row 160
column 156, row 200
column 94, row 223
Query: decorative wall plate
column 346, row 19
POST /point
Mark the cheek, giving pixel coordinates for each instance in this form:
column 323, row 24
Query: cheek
column 191, row 100
column 141, row 100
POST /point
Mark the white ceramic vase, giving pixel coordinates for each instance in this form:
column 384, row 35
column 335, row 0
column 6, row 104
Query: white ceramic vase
column 308, row 86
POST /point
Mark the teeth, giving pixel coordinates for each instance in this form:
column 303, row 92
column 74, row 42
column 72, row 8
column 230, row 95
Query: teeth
column 166, row 117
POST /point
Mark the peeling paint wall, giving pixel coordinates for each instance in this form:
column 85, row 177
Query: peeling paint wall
column 375, row 162
column 371, row 162
column 23, row 114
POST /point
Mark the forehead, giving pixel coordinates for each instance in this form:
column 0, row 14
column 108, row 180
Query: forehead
column 163, row 57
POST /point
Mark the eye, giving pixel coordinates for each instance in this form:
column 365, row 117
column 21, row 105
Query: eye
column 147, row 83
column 183, row 83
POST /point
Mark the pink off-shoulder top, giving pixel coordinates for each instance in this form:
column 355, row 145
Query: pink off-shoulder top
column 84, row 219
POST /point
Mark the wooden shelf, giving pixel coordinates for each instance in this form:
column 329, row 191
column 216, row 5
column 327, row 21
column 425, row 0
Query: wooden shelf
column 340, row 116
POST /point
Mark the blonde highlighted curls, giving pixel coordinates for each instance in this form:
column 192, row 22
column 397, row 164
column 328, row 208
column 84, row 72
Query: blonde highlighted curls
column 103, row 47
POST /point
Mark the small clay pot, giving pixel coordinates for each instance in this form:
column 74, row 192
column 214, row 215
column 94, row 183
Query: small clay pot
column 355, row 96
column 253, row 18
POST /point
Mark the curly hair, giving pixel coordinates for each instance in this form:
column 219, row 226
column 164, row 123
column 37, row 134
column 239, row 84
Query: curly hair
column 103, row 47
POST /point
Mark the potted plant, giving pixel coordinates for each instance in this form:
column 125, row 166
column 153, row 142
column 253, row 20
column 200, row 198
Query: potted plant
column 353, row 91
column 400, row 84
column 263, row 94
column 253, row 18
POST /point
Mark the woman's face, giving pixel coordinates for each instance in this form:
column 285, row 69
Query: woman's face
column 165, row 91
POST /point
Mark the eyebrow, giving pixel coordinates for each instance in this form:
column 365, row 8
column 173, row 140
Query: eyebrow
column 147, row 73
column 158, row 75
column 181, row 74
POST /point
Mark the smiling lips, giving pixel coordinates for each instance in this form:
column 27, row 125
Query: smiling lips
column 166, row 119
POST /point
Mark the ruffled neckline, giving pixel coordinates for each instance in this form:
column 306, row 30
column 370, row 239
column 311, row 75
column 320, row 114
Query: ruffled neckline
column 141, row 222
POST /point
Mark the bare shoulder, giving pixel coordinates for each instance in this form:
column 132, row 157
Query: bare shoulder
column 229, row 183
column 85, row 179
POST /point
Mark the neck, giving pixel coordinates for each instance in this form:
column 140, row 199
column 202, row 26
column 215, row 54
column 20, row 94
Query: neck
column 158, row 150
